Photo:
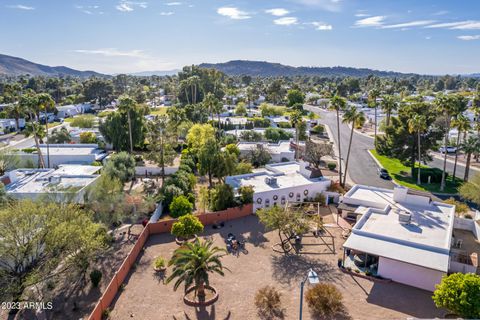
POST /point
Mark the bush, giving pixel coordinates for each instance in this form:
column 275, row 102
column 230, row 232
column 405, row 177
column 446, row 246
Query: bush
column 268, row 302
column 88, row 137
column 276, row 134
column 84, row 121
column 251, row 136
column 169, row 192
column 331, row 165
column 243, row 168
column 95, row 277
column 158, row 263
column 121, row 166
column 260, row 122
column 434, row 173
column 96, row 164
column 222, row 197
column 187, row 226
column 284, row 125
column 324, row 300
column 232, row 149
column 318, row 129
column 460, row 207
column 180, row 206
column 246, row 194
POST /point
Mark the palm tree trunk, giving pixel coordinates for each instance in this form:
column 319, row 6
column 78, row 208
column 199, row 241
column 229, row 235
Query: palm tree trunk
column 419, row 181
column 442, row 184
column 186, row 95
column 41, row 162
column 467, row 167
column 339, row 148
column 296, row 142
column 201, row 291
column 375, row 140
column 130, row 131
column 348, row 153
column 48, row 146
column 456, row 155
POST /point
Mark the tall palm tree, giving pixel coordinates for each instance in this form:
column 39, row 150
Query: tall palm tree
column 462, row 124
column 355, row 118
column 372, row 97
column 338, row 104
column 36, row 130
column 418, row 124
column 389, row 104
column 295, row 118
column 126, row 105
column 449, row 106
column 193, row 262
column 470, row 146
column 17, row 110
column 45, row 104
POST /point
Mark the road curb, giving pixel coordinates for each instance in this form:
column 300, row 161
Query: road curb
column 380, row 166
column 453, row 162
column 335, row 150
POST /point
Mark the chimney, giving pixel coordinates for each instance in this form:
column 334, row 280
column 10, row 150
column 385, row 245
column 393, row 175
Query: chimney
column 400, row 194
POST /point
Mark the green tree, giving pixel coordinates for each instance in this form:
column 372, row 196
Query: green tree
column 203, row 198
column 161, row 143
column 462, row 124
column 115, row 129
column 198, row 135
column 470, row 146
column 120, row 166
column 241, row 110
column 418, row 125
column 295, row 96
column 222, row 197
column 459, row 293
column 471, row 190
column 180, row 206
column 193, row 262
column 49, row 240
column 355, row 118
column 3, row 195
column 338, row 104
column 83, row 121
column 88, row 137
column 208, row 159
column 296, row 118
column 388, row 104
column 126, row 105
column 259, row 156
column 60, row 136
column 187, row 226
column 98, row 91
column 246, row 194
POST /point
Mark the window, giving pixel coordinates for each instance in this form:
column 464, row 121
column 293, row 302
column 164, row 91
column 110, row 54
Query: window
column 259, row 200
column 299, row 197
column 267, row 203
column 305, row 192
column 290, row 194
column 275, row 197
column 284, row 200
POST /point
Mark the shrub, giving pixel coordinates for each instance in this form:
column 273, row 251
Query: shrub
column 331, row 165
column 232, row 149
column 246, row 194
column 276, row 134
column 96, row 164
column 284, row 125
column 268, row 302
column 460, row 207
column 260, row 122
column 158, row 263
column 84, row 121
column 318, row 129
column 222, row 197
column 435, row 175
column 243, row 168
column 324, row 300
column 88, row 137
column 187, row 226
column 180, row 206
column 121, row 166
column 250, row 135
column 169, row 192
column 95, row 277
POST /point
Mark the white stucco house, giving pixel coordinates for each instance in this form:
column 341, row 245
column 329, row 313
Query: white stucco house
column 67, row 183
column 72, row 110
column 406, row 236
column 278, row 183
column 59, row 154
column 280, row 152
column 10, row 125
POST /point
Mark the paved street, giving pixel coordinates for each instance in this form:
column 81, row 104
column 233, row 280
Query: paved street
column 362, row 168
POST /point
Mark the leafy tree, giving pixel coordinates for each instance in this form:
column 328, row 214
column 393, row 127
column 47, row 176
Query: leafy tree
column 324, row 300
column 232, row 149
column 121, row 166
column 221, row 197
column 462, row 124
column 471, row 190
column 50, row 239
column 246, row 194
column 60, row 136
column 460, row 294
column 243, row 168
column 203, row 198
column 295, row 96
column 251, row 136
column 98, row 90
column 161, row 143
column 126, row 105
column 187, row 226
column 193, row 262
column 240, row 110
column 259, row 156
column 198, row 135
column 180, row 206
column 169, row 192
column 267, row 110
column 208, row 159
column 470, row 146
column 388, row 104
column 115, row 129
column 276, row 134
column 315, row 151
column 88, row 137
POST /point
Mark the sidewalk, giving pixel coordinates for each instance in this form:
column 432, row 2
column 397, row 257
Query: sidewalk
column 475, row 166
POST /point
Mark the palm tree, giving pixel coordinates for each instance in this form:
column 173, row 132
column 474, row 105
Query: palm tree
column 338, row 104
column 372, row 97
column 470, row 146
column 355, row 118
column 17, row 110
column 126, row 105
column 418, row 124
column 45, row 104
column 449, row 106
column 36, row 130
column 295, row 118
column 388, row 105
column 193, row 262
column 462, row 124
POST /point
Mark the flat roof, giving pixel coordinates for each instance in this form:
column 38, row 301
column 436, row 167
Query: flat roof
column 424, row 241
column 74, row 150
column 274, row 148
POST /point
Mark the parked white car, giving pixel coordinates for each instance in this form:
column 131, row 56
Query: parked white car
column 449, row 149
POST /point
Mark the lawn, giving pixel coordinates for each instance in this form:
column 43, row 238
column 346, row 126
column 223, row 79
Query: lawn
column 52, row 125
column 159, row 111
column 397, row 171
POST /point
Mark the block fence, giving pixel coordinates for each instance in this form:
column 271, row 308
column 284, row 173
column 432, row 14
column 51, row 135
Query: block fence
column 156, row 228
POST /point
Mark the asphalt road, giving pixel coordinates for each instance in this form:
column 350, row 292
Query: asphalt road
column 362, row 169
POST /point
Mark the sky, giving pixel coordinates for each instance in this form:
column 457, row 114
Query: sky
column 121, row 36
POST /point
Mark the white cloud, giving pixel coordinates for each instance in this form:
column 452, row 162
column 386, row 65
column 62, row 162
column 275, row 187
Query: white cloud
column 408, row 24
column 233, row 13
column 173, row 3
column 286, row 21
column 90, row 10
column 469, row 38
column 113, row 52
column 321, row 26
column 328, row 5
column 362, row 15
column 475, row 25
column 169, row 13
column 440, row 13
column 20, row 7
column 375, row 21
column 128, row 6
column 278, row 12
column 461, row 25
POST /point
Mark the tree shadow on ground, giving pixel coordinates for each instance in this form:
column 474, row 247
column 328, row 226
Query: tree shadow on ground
column 292, row 268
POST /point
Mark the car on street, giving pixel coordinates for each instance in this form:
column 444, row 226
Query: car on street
column 450, row 149
column 383, row 173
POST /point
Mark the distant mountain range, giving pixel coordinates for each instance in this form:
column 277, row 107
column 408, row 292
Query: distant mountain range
column 155, row 73
column 13, row 66
column 268, row 69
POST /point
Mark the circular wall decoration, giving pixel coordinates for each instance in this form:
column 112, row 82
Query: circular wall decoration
column 305, row 192
column 275, row 197
column 259, row 200
column 290, row 194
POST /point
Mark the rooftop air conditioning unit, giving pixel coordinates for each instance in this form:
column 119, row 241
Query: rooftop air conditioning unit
column 271, row 180
column 404, row 217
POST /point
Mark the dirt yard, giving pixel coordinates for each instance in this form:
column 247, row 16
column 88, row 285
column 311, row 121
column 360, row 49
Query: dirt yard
column 146, row 296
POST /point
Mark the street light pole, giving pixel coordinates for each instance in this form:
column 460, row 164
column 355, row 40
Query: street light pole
column 312, row 278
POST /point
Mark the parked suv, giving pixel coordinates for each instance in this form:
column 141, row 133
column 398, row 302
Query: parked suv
column 383, row 173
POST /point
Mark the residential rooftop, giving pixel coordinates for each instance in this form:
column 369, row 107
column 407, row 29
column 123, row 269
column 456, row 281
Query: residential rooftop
column 74, row 150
